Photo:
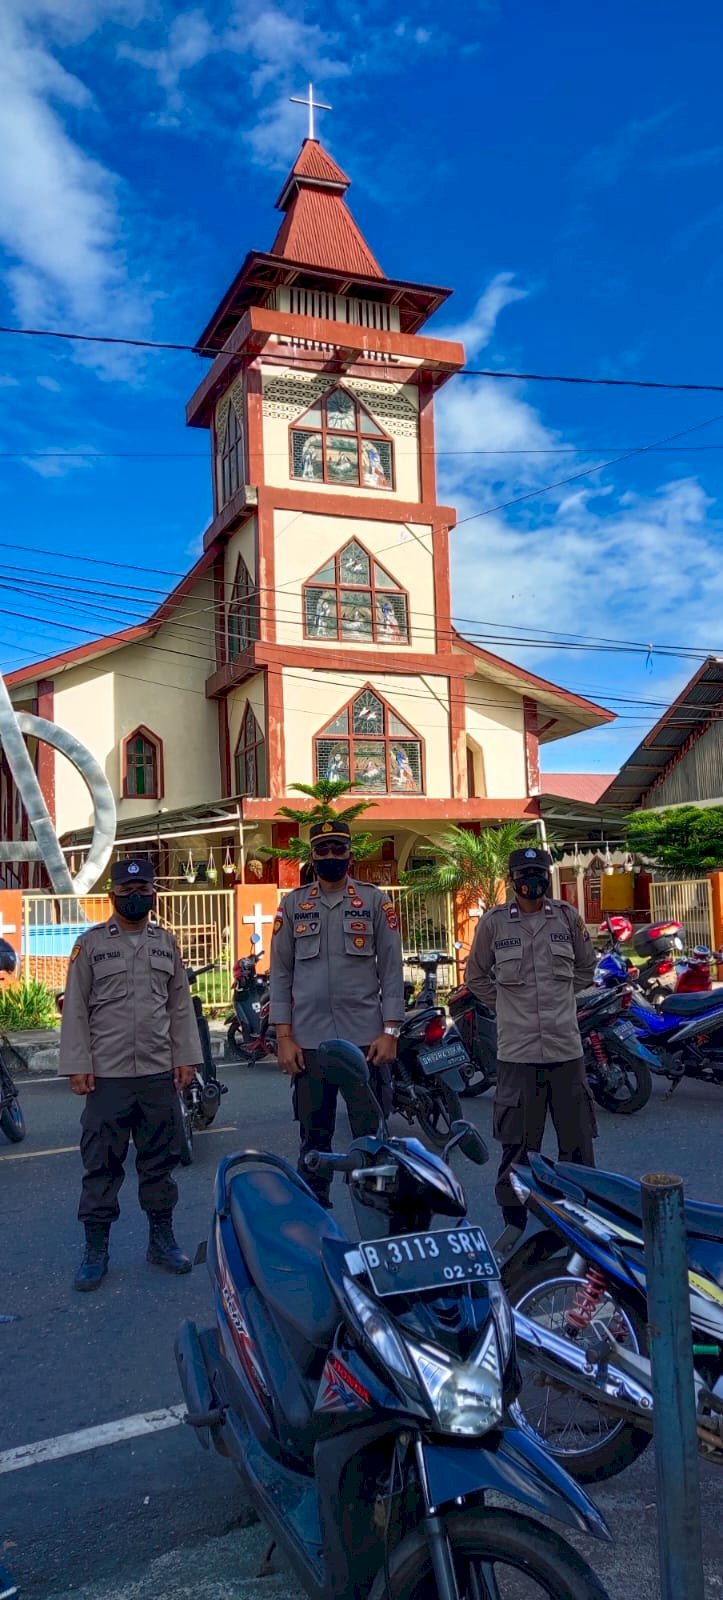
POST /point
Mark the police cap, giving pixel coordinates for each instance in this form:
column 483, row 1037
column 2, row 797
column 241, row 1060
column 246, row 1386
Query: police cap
column 529, row 857
column 335, row 829
column 131, row 874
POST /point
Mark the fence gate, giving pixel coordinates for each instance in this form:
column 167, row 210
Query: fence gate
column 201, row 919
column 426, row 922
column 688, row 900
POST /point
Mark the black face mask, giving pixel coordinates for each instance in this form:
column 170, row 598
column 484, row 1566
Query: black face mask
column 331, row 868
column 134, row 906
column 532, row 885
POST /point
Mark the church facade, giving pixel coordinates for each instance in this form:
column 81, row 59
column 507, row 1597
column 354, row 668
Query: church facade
column 313, row 638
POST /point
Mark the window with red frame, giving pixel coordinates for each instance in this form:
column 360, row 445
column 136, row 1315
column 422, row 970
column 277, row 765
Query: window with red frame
column 369, row 745
column 142, row 765
column 231, row 460
column 243, row 614
column 251, row 757
column 353, row 597
column 337, row 441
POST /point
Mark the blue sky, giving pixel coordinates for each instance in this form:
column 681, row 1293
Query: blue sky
column 559, row 167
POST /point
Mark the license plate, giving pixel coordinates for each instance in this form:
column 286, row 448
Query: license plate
column 443, row 1055
column 624, row 1029
column 438, row 1260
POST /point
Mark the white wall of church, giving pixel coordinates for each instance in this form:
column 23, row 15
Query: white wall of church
column 304, row 541
column 241, row 543
column 312, row 698
column 494, row 718
column 395, row 406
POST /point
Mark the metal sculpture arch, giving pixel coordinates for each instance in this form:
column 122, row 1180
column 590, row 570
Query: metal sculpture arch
column 13, row 724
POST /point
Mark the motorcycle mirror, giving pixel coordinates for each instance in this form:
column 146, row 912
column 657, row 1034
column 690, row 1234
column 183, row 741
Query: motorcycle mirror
column 256, row 938
column 458, row 944
column 345, row 1065
column 469, row 1141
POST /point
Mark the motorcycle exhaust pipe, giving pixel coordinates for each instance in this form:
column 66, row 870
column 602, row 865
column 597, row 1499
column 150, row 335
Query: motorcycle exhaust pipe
column 571, row 1365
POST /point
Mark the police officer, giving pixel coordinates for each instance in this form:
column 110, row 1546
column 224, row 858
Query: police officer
column 128, row 1043
column 336, row 973
column 528, row 960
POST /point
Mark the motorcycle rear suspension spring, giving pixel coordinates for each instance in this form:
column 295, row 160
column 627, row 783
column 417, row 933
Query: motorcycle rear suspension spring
column 598, row 1049
column 589, row 1297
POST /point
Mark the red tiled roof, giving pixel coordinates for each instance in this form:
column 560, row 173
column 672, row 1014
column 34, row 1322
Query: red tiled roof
column 318, row 229
column 587, row 786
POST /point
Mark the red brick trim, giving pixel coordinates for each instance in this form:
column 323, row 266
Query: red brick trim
column 45, row 763
column 416, row 808
column 532, row 744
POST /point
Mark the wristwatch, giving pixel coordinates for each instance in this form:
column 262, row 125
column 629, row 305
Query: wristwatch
column 393, row 1029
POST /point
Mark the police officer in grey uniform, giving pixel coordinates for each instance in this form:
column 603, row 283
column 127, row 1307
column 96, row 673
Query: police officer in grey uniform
column 528, row 960
column 128, row 1043
column 336, row 973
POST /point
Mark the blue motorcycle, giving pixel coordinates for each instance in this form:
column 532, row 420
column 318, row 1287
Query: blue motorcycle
column 362, row 1388
column 684, row 1033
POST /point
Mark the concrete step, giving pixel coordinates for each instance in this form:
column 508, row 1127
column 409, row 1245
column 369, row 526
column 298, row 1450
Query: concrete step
column 35, row 1052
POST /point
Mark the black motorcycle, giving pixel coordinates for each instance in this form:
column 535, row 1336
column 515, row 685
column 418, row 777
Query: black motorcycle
column 199, row 1103
column 478, row 1029
column 361, row 1389
column 12, row 1120
column 246, row 1037
column 427, row 1077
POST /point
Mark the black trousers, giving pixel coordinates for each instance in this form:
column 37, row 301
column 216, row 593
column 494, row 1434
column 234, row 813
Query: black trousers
column 315, row 1102
column 147, row 1109
column 525, row 1092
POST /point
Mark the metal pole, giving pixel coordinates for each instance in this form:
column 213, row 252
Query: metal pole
column 671, row 1354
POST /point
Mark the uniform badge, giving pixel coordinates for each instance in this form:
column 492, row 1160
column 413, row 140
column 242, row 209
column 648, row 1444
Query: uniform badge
column 278, row 924
column 328, row 827
column 305, row 905
column 75, row 952
column 133, row 869
column 391, row 915
column 359, row 943
column 357, row 904
column 358, row 927
column 314, row 892
column 301, row 927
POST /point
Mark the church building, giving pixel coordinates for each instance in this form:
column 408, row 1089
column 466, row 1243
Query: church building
column 313, row 638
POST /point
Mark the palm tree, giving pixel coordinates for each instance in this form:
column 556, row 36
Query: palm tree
column 324, row 793
column 471, row 864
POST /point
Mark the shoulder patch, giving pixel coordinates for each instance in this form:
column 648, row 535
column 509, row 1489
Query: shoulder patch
column 75, row 952
column 278, row 924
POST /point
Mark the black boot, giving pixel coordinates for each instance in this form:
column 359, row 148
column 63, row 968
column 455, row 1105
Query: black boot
column 94, row 1265
column 162, row 1248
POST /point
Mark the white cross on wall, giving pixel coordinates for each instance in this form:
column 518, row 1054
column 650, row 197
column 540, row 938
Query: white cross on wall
column 312, row 104
column 7, row 927
column 258, row 919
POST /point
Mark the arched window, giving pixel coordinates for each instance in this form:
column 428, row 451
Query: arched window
column 353, row 597
column 142, row 765
column 242, row 612
column 251, row 757
column 231, row 466
column 338, row 441
column 369, row 745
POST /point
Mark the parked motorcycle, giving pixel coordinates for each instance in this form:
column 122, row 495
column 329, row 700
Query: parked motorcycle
column 360, row 1389
column 12, row 1120
column 428, row 1075
column 684, row 1033
column 199, row 1103
column 577, row 1281
column 251, row 989
column 617, row 1063
column 664, row 970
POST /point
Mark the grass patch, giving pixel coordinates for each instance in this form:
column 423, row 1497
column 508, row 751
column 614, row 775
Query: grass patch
column 27, row 1005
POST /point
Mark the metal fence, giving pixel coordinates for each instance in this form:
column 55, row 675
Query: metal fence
column 202, row 921
column 426, row 922
column 686, row 900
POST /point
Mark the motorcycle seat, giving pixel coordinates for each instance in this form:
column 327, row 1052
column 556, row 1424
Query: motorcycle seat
column 624, row 1195
column 692, row 1005
column 280, row 1231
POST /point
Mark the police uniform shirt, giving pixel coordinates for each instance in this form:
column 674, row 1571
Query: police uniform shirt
column 528, row 966
column 336, row 964
column 127, row 1010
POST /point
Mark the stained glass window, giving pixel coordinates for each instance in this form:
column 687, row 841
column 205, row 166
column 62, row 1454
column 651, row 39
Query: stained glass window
column 337, row 441
column 141, row 765
column 231, row 471
column 370, row 745
column 251, row 757
column 353, row 598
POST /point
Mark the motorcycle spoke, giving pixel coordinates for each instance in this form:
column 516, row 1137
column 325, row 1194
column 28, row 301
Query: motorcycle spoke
column 567, row 1422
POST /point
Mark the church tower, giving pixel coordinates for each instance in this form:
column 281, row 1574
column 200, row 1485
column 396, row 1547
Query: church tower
column 336, row 655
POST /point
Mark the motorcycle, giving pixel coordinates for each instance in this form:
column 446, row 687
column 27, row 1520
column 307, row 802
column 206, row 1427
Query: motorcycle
column 577, row 1283
column 473, row 1073
column 12, row 1120
column 428, row 1074
column 199, row 1103
column 617, row 1063
column 684, row 1033
column 360, row 1388
column 250, row 991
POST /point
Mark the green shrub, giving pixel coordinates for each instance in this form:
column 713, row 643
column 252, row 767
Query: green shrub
column 27, row 1005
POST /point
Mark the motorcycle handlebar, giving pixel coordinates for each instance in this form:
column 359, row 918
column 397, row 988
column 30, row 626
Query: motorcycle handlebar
column 325, row 1161
column 192, row 973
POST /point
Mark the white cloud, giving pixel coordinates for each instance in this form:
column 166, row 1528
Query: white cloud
column 49, row 383
column 190, row 41
column 478, row 328
column 6, row 382
column 60, row 218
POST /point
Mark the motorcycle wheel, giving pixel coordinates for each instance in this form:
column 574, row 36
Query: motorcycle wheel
column 631, row 1094
column 435, row 1115
column 581, row 1436
column 482, row 1075
column 12, row 1122
column 235, row 1047
column 486, row 1544
column 186, row 1156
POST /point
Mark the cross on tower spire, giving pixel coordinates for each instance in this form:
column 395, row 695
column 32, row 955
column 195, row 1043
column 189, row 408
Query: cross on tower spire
column 312, row 105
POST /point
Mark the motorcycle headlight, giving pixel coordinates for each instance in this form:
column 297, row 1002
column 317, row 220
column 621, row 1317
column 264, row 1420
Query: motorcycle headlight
column 503, row 1319
column 378, row 1329
column 466, row 1396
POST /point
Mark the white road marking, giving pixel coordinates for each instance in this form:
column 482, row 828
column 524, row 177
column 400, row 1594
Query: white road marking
column 74, row 1444
column 66, row 1149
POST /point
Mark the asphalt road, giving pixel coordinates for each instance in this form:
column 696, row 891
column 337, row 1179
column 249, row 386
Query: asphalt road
column 155, row 1516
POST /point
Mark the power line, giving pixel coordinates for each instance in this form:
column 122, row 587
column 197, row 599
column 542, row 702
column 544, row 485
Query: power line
column 464, row 372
